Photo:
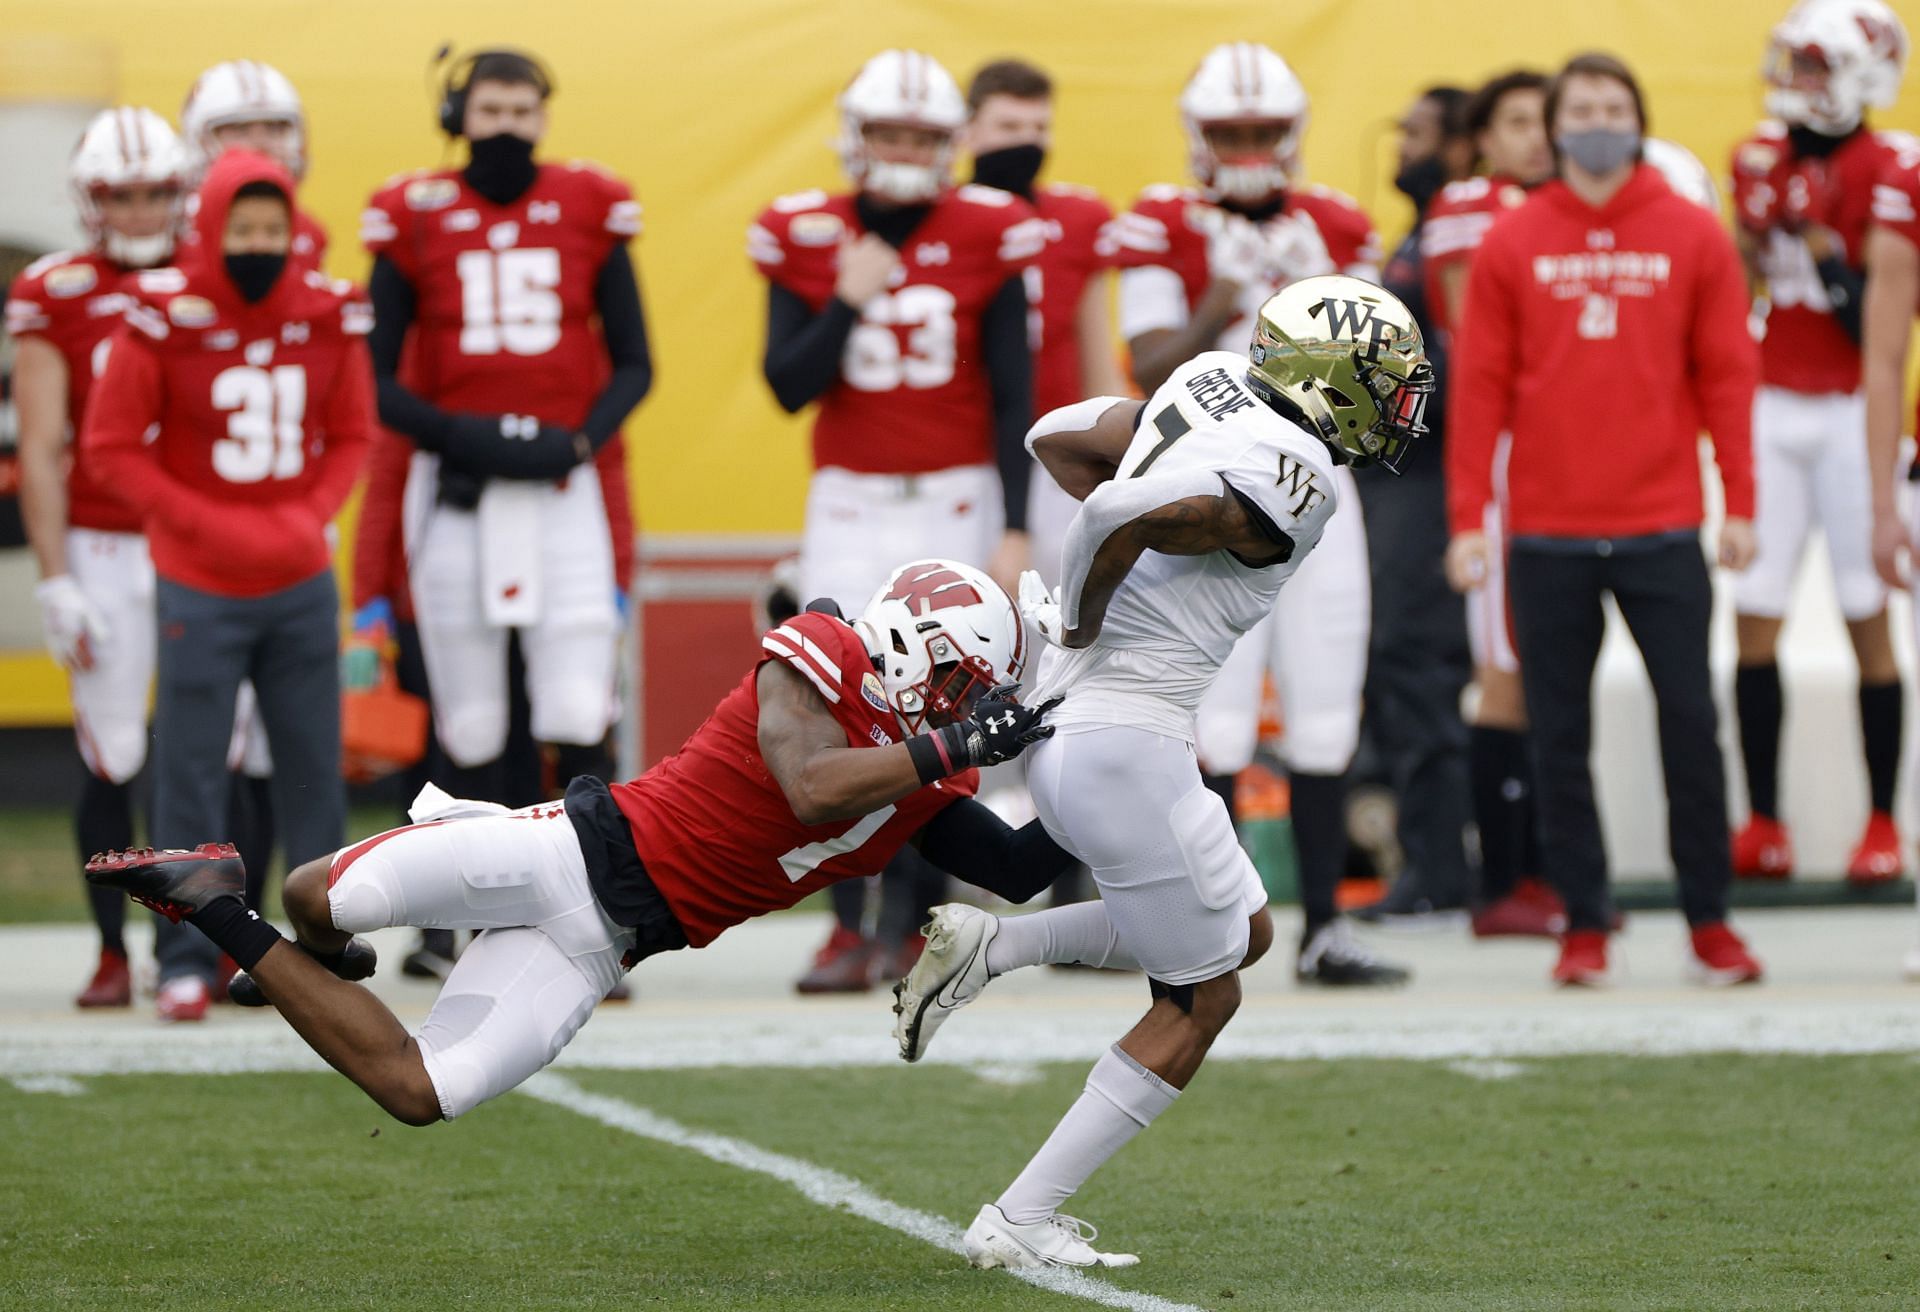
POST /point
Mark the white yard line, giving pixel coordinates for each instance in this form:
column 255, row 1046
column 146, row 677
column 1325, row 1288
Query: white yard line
column 1486, row 1068
column 60, row 1084
column 826, row 1187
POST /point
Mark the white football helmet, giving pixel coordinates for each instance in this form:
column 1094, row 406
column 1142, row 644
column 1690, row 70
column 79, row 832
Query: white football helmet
column 242, row 91
column 904, row 87
column 1829, row 61
column 1683, row 171
column 1243, row 82
column 941, row 633
column 123, row 147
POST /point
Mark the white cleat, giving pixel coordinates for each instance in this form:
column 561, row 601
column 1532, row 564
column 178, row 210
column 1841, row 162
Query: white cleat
column 992, row 1241
column 950, row 973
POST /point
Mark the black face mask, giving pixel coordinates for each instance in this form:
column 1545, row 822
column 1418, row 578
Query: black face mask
column 254, row 275
column 892, row 224
column 1013, row 169
column 501, row 167
column 1421, row 181
column 1808, row 144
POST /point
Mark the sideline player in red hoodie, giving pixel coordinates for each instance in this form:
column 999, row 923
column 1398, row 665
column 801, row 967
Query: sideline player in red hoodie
column 96, row 583
column 845, row 743
column 1606, row 323
column 255, row 376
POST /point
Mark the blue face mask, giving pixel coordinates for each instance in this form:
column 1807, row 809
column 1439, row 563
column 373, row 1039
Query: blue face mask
column 1599, row 150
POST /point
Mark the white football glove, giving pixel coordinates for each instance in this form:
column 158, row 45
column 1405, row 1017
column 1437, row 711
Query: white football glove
column 75, row 629
column 1236, row 250
column 1041, row 608
column 1295, row 249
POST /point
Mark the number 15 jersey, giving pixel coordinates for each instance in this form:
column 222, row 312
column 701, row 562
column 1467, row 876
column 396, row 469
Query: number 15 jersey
column 504, row 313
column 912, row 396
column 1174, row 619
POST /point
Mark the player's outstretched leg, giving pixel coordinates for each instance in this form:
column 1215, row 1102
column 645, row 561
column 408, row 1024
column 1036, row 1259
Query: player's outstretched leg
column 966, row 947
column 1131, row 1085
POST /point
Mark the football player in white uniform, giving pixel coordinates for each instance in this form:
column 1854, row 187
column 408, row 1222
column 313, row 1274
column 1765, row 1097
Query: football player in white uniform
column 1197, row 505
column 1197, row 265
column 96, row 580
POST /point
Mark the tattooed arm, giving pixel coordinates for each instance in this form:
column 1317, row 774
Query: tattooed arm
column 1190, row 526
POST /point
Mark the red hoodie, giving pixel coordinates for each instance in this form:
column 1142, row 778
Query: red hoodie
column 1603, row 340
column 235, row 430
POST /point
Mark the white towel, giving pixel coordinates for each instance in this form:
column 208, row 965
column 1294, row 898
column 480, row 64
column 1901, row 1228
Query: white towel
column 509, row 523
column 435, row 803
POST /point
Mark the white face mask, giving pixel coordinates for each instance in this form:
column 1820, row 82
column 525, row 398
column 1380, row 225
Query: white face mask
column 138, row 252
column 1249, row 182
column 904, row 184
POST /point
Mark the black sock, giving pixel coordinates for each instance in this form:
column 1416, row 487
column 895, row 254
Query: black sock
column 850, row 904
column 910, row 887
column 1502, row 808
column 250, row 824
column 1758, row 703
column 103, row 822
column 1223, row 785
column 571, row 760
column 236, row 930
column 1882, row 708
column 1319, row 811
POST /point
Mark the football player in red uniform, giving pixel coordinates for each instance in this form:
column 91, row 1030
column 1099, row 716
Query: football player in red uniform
column 1507, row 117
column 1803, row 189
column 250, row 105
column 507, row 287
column 899, row 307
column 232, row 418
column 96, row 582
column 1009, row 134
column 845, row 743
column 1198, row 262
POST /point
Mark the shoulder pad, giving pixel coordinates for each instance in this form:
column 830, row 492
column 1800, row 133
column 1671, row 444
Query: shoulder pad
column 976, row 194
column 822, row 649
column 799, row 201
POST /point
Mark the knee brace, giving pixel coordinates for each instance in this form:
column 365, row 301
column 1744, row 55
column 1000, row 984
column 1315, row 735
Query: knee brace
column 113, row 751
column 471, row 735
column 1322, row 741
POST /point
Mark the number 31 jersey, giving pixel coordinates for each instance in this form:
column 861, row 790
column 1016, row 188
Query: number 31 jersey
column 1174, row 619
column 912, row 395
column 504, row 304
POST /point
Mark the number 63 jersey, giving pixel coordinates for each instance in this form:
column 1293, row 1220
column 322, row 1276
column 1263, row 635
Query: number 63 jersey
column 505, row 313
column 912, row 396
column 1174, row 619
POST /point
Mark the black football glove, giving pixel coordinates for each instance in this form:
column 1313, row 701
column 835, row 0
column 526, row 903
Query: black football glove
column 998, row 728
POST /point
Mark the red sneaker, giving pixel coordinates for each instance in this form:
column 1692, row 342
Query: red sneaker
column 111, row 985
column 844, row 965
column 183, row 998
column 900, row 962
column 223, row 969
column 1721, row 958
column 1583, row 958
column 1532, row 910
column 1762, row 849
column 1877, row 859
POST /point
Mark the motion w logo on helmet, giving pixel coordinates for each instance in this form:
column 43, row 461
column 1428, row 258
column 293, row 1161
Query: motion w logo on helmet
column 936, row 585
column 1349, row 319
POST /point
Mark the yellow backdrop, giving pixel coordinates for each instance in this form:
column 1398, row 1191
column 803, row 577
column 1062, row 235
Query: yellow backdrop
column 713, row 108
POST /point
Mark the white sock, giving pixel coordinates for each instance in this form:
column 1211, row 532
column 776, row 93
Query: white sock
column 1121, row 1099
column 1080, row 933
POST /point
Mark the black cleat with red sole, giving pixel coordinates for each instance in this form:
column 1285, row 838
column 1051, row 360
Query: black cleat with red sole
column 355, row 962
column 172, row 881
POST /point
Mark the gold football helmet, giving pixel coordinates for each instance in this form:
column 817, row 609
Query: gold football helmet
column 1345, row 360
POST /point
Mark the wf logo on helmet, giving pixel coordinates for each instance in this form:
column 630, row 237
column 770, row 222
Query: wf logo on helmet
column 1350, row 319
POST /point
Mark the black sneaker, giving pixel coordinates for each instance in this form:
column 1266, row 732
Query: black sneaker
column 1408, row 906
column 356, row 961
column 1333, row 958
column 433, row 959
column 172, row 881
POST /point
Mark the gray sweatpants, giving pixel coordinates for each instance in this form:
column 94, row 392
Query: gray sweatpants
column 287, row 642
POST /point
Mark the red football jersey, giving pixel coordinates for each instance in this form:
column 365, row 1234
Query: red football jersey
column 74, row 299
column 260, row 412
column 499, row 287
column 716, row 834
column 912, row 396
column 1167, row 228
column 1805, row 349
column 1077, row 249
column 1455, row 224
column 1896, row 198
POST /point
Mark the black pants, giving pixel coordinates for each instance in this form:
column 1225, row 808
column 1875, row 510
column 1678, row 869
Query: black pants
column 1418, row 666
column 1665, row 596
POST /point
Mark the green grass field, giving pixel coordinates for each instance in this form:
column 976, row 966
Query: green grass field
column 1579, row 1183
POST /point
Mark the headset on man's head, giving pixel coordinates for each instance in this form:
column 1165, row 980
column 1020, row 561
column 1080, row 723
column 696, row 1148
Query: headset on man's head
column 459, row 78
